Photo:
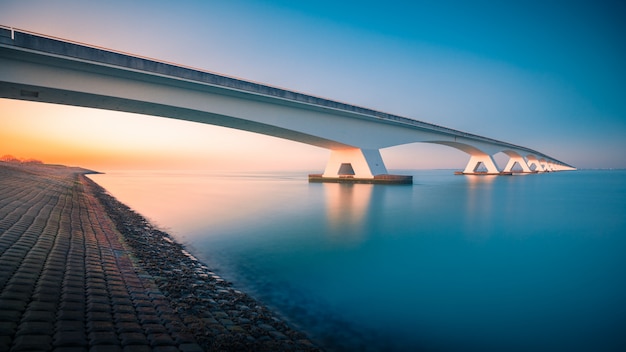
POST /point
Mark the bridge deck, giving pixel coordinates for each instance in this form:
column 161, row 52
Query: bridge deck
column 10, row 37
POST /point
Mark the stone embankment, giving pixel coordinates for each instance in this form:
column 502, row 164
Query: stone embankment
column 80, row 271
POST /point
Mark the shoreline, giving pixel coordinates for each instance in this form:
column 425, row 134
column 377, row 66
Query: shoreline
column 194, row 307
column 195, row 290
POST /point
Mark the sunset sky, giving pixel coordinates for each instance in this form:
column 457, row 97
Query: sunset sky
column 548, row 75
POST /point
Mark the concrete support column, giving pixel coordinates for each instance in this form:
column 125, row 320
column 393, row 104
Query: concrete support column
column 475, row 161
column 532, row 160
column 355, row 162
column 516, row 159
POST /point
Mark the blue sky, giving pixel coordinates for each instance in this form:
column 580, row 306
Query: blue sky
column 548, row 75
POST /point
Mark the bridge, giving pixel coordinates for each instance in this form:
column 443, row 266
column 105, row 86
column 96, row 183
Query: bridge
column 41, row 68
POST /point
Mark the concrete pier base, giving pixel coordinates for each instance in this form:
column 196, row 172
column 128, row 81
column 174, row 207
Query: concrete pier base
column 478, row 173
column 378, row 179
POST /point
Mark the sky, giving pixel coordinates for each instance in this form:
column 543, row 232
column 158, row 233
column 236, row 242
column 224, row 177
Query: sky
column 548, row 75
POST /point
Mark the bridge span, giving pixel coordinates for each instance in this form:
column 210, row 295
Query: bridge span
column 36, row 67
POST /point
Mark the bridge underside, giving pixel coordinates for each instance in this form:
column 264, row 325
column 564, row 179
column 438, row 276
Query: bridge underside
column 41, row 69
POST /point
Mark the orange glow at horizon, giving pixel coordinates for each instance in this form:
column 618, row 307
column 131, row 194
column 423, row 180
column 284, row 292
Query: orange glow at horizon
column 102, row 139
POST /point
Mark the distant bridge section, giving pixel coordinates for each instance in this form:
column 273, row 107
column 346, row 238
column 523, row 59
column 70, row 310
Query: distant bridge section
column 40, row 68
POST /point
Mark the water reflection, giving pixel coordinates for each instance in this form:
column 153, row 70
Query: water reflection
column 478, row 212
column 452, row 263
column 346, row 208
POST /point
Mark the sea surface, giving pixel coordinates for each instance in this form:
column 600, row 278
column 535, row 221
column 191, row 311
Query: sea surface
column 450, row 263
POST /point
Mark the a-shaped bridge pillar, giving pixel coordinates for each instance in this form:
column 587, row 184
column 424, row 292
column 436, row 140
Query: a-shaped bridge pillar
column 519, row 160
column 533, row 161
column 476, row 160
column 355, row 162
column 357, row 165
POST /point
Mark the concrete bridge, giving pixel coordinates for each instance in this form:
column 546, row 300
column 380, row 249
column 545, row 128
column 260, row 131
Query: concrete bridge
column 40, row 68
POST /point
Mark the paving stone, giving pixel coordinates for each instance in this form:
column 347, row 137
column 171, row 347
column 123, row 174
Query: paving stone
column 133, row 338
column 32, row 343
column 73, row 287
column 169, row 318
column 70, row 349
column 154, row 328
column 135, row 287
column 52, row 272
column 190, row 347
column 119, row 293
column 5, row 342
column 137, row 348
column 7, row 328
column 146, row 310
column 123, row 308
column 13, row 304
column 70, row 325
column 183, row 338
column 104, row 299
column 72, row 305
column 98, row 307
column 138, row 293
column 164, row 308
column 100, row 326
column 95, row 273
column 97, row 292
column 124, row 317
column 106, row 348
column 99, row 316
column 77, row 315
column 47, row 296
column 73, row 297
column 160, row 339
column 148, row 319
column 14, row 295
column 22, row 286
column 165, row 349
column 43, row 306
column 37, row 315
column 175, row 326
column 25, row 276
column 122, row 327
column 35, row 328
column 69, row 338
column 95, row 280
column 103, row 338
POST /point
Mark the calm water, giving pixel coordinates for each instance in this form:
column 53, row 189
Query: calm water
column 451, row 263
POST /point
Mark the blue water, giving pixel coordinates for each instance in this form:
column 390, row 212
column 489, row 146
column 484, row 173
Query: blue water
column 451, row 263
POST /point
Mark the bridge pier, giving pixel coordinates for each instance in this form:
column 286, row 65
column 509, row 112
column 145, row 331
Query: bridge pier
column 517, row 159
column 476, row 160
column 533, row 161
column 356, row 165
column 359, row 163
